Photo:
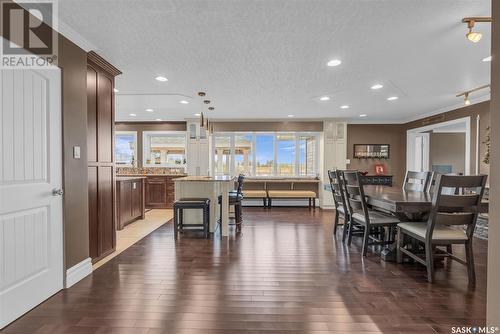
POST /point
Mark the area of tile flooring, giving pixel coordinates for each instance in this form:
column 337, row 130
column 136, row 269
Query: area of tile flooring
column 136, row 231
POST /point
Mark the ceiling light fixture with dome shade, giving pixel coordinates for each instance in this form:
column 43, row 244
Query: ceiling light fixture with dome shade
column 474, row 36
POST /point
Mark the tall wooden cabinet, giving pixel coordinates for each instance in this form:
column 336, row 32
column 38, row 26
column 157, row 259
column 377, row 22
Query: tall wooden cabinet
column 100, row 143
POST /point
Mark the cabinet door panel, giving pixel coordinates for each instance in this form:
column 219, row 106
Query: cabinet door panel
column 136, row 198
column 104, row 118
column 156, row 192
column 106, row 207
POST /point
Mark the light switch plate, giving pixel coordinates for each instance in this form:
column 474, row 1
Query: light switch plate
column 76, row 152
column 348, row 161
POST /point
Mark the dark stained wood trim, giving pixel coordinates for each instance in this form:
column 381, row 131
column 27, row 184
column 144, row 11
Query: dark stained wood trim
column 93, row 57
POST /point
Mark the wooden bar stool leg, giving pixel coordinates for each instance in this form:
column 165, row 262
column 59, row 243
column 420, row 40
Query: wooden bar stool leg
column 175, row 222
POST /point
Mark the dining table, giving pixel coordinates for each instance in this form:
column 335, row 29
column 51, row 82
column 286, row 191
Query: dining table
column 407, row 205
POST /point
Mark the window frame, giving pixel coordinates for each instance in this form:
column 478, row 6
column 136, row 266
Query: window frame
column 146, row 148
column 134, row 134
column 296, row 134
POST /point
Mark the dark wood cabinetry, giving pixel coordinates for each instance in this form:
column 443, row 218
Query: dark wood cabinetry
column 100, row 143
column 130, row 200
column 160, row 192
column 378, row 180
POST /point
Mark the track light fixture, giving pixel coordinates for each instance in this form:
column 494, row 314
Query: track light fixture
column 474, row 36
column 468, row 92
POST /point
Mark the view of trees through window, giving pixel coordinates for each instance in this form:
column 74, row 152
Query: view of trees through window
column 125, row 148
column 266, row 154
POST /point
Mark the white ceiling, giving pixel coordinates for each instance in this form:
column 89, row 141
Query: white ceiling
column 267, row 59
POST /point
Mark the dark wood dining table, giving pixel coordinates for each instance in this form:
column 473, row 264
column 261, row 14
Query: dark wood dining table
column 406, row 204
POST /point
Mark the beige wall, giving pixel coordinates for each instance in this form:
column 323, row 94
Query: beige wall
column 395, row 135
column 493, row 292
column 481, row 110
column 391, row 134
column 139, row 127
column 448, row 149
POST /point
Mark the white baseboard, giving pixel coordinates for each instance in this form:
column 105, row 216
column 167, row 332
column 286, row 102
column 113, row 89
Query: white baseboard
column 78, row 272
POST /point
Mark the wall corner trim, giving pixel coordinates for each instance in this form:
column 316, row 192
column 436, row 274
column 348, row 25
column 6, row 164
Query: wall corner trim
column 78, row 272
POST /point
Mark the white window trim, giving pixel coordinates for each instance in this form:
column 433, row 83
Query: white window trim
column 133, row 133
column 296, row 134
column 146, row 147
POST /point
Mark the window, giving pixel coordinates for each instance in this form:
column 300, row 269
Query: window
column 266, row 154
column 125, row 148
column 307, row 155
column 222, row 154
column 164, row 148
column 243, row 155
column 285, row 155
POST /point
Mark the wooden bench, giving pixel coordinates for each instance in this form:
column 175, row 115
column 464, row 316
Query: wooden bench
column 287, row 194
column 252, row 194
column 269, row 189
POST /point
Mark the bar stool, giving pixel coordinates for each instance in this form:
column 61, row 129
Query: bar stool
column 235, row 199
column 191, row 203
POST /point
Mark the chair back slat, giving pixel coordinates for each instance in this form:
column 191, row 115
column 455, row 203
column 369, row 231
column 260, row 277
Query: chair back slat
column 456, row 201
column 417, row 181
column 463, row 218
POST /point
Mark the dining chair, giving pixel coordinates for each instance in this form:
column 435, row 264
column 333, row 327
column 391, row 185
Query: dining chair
column 417, row 181
column 451, row 211
column 372, row 222
column 337, row 187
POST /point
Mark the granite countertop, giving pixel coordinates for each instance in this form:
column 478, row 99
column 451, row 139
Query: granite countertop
column 221, row 178
column 128, row 178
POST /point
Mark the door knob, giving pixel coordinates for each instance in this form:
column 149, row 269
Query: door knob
column 57, row 192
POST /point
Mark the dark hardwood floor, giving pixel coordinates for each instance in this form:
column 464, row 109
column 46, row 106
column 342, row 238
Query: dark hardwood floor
column 283, row 274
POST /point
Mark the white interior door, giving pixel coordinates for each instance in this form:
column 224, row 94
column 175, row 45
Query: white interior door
column 417, row 153
column 31, row 230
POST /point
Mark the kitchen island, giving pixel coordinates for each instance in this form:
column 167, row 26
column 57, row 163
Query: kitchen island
column 206, row 187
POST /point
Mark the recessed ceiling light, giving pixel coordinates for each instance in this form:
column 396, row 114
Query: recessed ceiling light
column 197, row 115
column 133, row 115
column 362, row 115
column 149, row 110
column 158, row 119
column 377, row 86
column 116, row 90
column 324, row 98
column 487, row 59
column 161, row 78
column 392, row 98
column 291, row 116
column 184, row 102
column 344, row 107
column 334, row 62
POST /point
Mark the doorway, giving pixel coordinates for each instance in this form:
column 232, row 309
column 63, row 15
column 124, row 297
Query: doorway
column 442, row 148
